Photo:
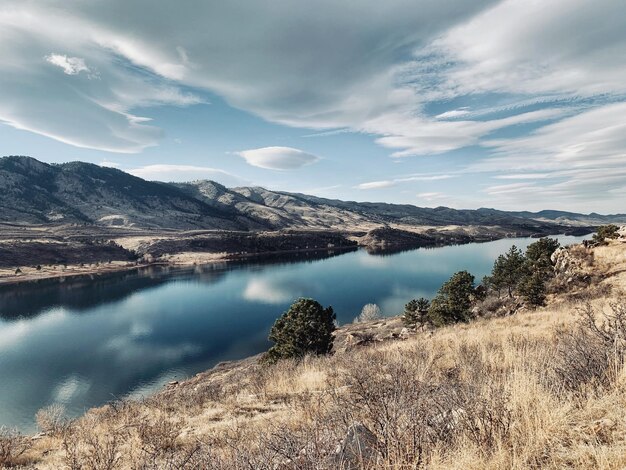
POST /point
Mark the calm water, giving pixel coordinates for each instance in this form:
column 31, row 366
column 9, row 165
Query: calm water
column 83, row 343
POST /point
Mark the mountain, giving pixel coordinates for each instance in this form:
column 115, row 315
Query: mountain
column 572, row 218
column 82, row 193
column 35, row 192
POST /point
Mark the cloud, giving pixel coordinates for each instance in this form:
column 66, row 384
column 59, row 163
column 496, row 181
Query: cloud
column 455, row 113
column 524, row 176
column 376, row 185
column 406, row 179
column 70, row 65
column 563, row 47
column 278, row 158
column 328, row 72
column 185, row 173
column 430, row 196
column 71, row 106
column 415, row 135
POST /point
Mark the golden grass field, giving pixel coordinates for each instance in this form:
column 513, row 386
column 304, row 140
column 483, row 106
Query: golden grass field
column 532, row 390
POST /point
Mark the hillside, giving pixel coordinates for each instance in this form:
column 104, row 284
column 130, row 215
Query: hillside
column 572, row 218
column 536, row 389
column 32, row 192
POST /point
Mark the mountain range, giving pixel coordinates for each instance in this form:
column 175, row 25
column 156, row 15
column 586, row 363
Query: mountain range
column 33, row 192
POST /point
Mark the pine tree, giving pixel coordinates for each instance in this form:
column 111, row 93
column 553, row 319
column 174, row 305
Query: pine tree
column 306, row 328
column 538, row 255
column 453, row 301
column 416, row 313
column 533, row 288
column 508, row 271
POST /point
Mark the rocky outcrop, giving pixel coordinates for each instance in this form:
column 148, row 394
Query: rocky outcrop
column 572, row 266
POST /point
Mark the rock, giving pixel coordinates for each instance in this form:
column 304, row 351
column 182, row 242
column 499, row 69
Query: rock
column 358, row 450
column 404, row 333
column 173, row 383
column 358, row 339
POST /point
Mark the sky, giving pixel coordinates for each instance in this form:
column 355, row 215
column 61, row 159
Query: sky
column 510, row 104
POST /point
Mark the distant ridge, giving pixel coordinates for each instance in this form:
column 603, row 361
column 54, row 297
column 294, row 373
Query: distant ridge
column 82, row 193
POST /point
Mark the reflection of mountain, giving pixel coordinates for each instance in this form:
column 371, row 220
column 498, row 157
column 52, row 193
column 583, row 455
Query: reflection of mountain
column 82, row 293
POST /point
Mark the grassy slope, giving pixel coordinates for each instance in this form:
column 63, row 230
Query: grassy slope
column 476, row 396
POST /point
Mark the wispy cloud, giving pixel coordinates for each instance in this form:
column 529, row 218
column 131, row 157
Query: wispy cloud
column 393, row 182
column 377, row 184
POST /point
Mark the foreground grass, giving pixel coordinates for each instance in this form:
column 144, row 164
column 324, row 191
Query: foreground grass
column 538, row 389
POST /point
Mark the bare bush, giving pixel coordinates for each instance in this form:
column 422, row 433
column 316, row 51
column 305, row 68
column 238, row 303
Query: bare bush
column 159, row 439
column 12, row 447
column 396, row 404
column 370, row 312
column 89, row 446
column 593, row 353
column 52, row 419
column 496, row 306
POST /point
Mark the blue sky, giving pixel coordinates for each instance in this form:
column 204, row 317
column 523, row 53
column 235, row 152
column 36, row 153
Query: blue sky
column 512, row 104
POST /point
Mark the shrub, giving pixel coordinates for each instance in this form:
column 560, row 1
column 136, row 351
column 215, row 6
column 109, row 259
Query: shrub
column 306, row 328
column 603, row 232
column 453, row 300
column 12, row 446
column 416, row 313
column 495, row 306
column 51, row 419
column 593, row 353
column 369, row 312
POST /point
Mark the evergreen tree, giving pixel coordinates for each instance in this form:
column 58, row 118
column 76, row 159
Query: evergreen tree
column 508, row 270
column 538, row 255
column 453, row 300
column 416, row 313
column 533, row 288
column 306, row 328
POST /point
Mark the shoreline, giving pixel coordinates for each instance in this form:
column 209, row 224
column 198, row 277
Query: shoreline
column 50, row 273
column 35, row 276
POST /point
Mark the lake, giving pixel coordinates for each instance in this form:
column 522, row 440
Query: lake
column 84, row 342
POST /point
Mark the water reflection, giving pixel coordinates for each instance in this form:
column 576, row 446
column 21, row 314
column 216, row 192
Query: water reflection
column 81, row 293
column 84, row 342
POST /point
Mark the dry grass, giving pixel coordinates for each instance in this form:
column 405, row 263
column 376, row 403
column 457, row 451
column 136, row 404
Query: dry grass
column 502, row 393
